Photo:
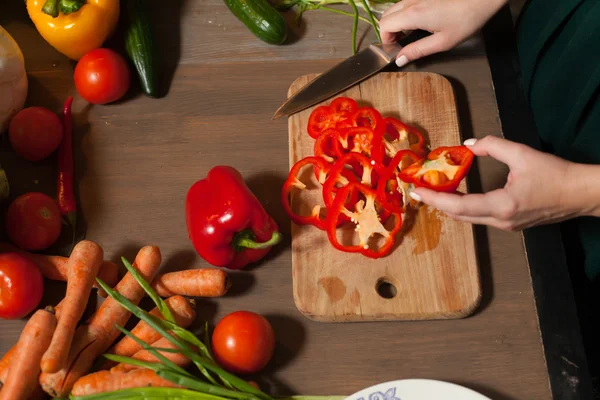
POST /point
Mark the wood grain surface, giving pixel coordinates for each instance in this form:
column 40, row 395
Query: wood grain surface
column 433, row 272
column 136, row 159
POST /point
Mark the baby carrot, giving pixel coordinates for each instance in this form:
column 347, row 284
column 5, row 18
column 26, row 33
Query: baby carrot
column 95, row 336
column 84, row 263
column 56, row 268
column 205, row 282
column 25, row 366
column 183, row 312
column 106, row 381
column 145, row 355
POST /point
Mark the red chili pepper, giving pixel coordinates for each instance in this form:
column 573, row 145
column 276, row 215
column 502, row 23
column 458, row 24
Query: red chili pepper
column 293, row 182
column 392, row 191
column 226, row 223
column 65, row 195
column 367, row 218
column 442, row 171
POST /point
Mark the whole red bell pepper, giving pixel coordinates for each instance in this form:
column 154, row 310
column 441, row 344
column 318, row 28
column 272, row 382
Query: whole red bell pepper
column 226, row 223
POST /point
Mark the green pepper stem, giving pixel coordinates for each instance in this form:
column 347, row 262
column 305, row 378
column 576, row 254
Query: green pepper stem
column 51, row 8
column 70, row 6
column 245, row 239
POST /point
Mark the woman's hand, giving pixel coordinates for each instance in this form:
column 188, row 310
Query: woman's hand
column 450, row 21
column 540, row 189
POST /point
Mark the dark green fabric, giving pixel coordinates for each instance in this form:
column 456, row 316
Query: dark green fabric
column 559, row 53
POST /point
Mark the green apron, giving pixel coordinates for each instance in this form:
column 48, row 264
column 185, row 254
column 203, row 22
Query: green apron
column 559, row 50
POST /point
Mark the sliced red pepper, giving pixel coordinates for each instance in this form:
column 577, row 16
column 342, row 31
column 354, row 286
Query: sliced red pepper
column 367, row 217
column 364, row 170
column 329, row 146
column 344, row 125
column 442, row 171
column 392, row 191
column 362, row 140
column 344, row 106
column 327, row 117
column 369, row 117
column 293, row 182
column 396, row 137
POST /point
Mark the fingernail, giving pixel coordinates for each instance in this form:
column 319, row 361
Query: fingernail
column 415, row 196
column 470, row 142
column 402, row 61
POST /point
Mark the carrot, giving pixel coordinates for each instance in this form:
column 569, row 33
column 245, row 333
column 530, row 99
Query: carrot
column 95, row 336
column 5, row 364
column 56, row 268
column 25, row 366
column 84, row 262
column 145, row 355
column 7, row 358
column 205, row 282
column 106, row 381
column 183, row 312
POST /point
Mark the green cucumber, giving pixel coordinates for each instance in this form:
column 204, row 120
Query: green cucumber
column 261, row 18
column 139, row 45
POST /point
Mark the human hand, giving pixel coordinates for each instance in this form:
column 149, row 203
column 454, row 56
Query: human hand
column 450, row 21
column 540, row 189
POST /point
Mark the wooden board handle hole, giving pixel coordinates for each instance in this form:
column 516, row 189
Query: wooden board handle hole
column 386, row 289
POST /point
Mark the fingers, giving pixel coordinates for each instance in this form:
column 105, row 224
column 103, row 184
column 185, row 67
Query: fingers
column 497, row 203
column 403, row 20
column 421, row 48
column 505, row 151
column 388, row 37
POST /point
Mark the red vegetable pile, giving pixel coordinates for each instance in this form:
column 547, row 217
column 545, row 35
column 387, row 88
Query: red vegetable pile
column 366, row 165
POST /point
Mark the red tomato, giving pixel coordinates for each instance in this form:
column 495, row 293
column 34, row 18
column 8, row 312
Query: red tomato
column 35, row 133
column 102, row 76
column 33, row 221
column 21, row 286
column 243, row 342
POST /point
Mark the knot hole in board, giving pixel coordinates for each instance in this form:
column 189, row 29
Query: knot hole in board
column 386, row 289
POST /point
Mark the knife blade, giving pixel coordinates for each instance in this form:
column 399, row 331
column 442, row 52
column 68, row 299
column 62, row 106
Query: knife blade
column 347, row 73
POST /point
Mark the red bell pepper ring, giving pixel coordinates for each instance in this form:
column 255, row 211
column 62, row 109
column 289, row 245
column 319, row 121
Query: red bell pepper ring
column 362, row 140
column 442, row 171
column 367, row 218
column 293, row 182
column 329, row 146
column 327, row 117
column 396, row 137
column 344, row 106
column 392, row 191
column 368, row 117
column 367, row 173
column 226, row 223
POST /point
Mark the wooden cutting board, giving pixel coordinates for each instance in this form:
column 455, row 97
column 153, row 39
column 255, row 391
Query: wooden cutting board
column 433, row 273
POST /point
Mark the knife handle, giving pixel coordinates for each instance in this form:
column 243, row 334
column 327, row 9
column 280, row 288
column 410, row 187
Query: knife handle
column 412, row 36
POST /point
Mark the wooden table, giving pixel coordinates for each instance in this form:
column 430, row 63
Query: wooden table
column 136, row 160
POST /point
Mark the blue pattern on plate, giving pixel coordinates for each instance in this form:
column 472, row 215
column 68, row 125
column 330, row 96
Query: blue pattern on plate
column 389, row 395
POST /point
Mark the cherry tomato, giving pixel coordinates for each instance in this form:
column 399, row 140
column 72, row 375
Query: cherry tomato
column 33, row 221
column 21, row 286
column 243, row 342
column 102, row 76
column 35, row 133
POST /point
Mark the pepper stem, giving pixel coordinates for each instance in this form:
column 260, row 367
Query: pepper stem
column 51, row 8
column 70, row 6
column 245, row 240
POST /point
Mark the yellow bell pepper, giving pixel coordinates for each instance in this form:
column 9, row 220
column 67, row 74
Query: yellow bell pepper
column 76, row 33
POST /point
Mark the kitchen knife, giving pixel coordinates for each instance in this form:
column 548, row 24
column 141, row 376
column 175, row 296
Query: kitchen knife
column 348, row 73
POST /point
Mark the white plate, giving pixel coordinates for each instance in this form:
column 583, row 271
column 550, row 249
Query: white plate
column 417, row 389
